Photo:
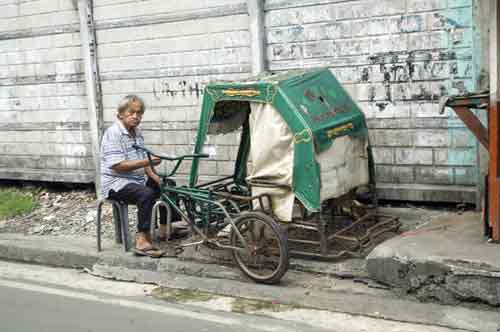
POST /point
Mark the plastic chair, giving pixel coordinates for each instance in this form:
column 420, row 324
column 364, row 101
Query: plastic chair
column 120, row 218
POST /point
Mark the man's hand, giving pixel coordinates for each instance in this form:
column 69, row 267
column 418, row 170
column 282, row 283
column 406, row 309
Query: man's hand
column 155, row 177
column 152, row 175
column 155, row 160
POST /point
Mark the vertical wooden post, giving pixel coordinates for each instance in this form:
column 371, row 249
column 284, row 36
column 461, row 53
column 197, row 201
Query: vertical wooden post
column 87, row 37
column 256, row 13
column 494, row 121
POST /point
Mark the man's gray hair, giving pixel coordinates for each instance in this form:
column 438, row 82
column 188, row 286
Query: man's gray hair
column 128, row 100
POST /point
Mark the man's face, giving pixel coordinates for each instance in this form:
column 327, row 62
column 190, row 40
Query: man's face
column 132, row 117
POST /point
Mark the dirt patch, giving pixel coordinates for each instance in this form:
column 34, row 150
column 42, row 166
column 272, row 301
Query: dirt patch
column 63, row 212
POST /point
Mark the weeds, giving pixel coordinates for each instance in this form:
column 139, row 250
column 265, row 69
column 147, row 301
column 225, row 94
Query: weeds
column 15, row 202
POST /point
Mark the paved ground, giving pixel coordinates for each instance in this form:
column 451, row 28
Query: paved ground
column 30, row 307
column 440, row 257
column 68, row 300
column 447, row 258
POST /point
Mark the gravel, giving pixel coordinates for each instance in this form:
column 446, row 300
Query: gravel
column 65, row 212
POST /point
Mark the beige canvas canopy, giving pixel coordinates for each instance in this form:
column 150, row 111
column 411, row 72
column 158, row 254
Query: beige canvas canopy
column 343, row 166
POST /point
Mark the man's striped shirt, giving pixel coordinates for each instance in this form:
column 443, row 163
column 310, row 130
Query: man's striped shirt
column 116, row 146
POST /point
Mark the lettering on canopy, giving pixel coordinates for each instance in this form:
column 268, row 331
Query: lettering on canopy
column 242, row 93
column 337, row 130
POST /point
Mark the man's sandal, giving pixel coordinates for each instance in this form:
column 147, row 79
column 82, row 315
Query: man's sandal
column 149, row 252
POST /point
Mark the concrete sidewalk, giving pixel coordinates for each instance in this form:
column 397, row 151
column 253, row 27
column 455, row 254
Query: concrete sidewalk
column 445, row 259
column 441, row 256
column 322, row 287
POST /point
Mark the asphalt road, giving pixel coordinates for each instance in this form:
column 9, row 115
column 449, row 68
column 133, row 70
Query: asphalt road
column 26, row 307
column 35, row 298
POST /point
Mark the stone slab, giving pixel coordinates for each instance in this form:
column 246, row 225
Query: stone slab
column 445, row 258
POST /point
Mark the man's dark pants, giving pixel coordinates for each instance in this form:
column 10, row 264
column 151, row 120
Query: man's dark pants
column 144, row 197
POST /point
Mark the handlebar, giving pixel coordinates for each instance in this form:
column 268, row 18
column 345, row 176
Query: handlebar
column 179, row 159
column 164, row 157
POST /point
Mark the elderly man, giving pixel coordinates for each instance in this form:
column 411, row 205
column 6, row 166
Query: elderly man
column 123, row 170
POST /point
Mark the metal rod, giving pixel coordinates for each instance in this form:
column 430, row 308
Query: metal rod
column 214, row 182
column 309, row 228
column 156, row 208
column 303, row 241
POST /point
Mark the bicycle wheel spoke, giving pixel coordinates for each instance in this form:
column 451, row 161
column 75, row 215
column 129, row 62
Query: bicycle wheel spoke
column 266, row 258
column 262, row 235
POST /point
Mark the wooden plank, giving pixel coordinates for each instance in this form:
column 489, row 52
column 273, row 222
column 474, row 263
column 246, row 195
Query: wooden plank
column 494, row 121
column 473, row 123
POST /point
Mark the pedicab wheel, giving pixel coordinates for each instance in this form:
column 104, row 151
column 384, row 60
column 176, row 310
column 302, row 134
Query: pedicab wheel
column 267, row 258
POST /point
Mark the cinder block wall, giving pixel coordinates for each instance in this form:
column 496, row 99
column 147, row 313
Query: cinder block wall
column 43, row 107
column 166, row 52
column 396, row 58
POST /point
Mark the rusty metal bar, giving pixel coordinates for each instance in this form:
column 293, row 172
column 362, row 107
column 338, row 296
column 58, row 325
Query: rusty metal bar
column 356, row 243
column 489, row 138
column 305, row 227
column 316, row 243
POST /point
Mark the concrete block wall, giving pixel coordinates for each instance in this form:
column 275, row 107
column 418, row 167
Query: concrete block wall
column 166, row 52
column 43, row 108
column 396, row 58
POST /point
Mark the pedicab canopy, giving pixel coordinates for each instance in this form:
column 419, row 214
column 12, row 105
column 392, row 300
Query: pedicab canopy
column 303, row 134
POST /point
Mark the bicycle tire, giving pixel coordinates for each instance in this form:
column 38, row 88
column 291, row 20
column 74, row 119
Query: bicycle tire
column 283, row 260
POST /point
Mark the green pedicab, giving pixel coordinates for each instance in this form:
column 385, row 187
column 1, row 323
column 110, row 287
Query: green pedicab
column 303, row 157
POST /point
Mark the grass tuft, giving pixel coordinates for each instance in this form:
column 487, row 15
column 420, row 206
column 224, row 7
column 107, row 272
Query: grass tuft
column 14, row 202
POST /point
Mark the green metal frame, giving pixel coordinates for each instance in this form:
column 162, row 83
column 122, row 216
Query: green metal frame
column 314, row 105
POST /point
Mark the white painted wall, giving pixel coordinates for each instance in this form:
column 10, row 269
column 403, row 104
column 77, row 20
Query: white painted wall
column 43, row 116
column 395, row 57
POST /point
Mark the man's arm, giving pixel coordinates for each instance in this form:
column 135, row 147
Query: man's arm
column 152, row 175
column 125, row 166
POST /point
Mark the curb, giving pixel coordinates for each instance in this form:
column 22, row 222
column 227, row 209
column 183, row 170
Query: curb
column 80, row 252
column 74, row 252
